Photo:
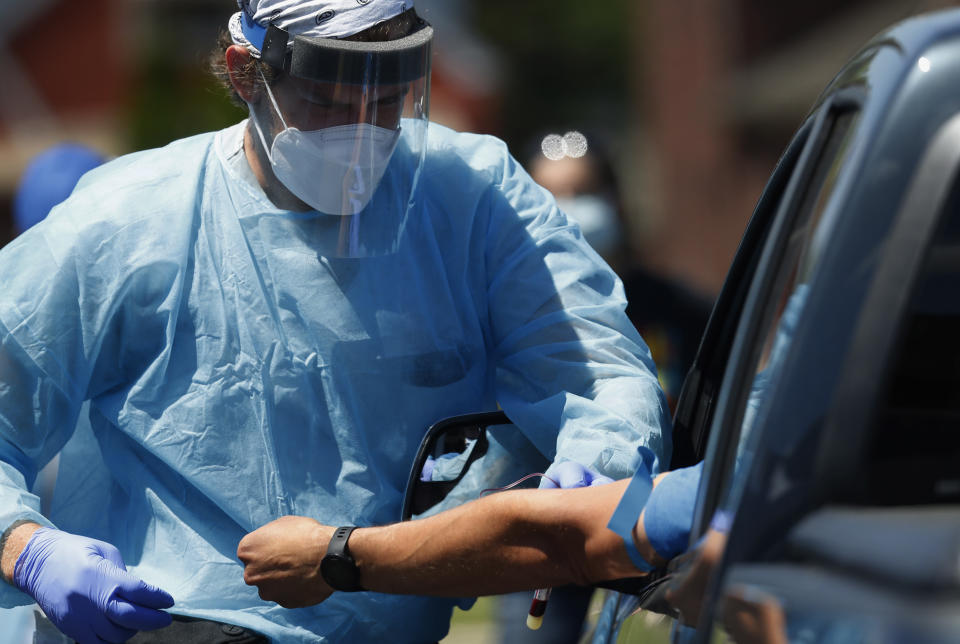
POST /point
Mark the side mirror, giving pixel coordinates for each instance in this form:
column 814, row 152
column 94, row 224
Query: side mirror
column 453, row 446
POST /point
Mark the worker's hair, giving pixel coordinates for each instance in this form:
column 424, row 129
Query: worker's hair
column 399, row 26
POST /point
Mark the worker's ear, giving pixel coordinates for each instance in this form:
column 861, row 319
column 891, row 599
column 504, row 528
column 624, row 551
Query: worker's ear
column 238, row 61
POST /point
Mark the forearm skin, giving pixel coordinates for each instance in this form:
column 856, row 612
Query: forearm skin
column 15, row 543
column 509, row 541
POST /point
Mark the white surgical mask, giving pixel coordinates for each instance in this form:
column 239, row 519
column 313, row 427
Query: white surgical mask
column 335, row 170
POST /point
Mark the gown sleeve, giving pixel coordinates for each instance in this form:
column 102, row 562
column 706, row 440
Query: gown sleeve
column 572, row 371
column 42, row 381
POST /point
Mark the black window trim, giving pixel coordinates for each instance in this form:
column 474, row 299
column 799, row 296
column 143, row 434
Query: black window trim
column 695, row 404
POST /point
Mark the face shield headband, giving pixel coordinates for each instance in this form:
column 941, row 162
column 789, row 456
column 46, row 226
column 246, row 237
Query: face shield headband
column 399, row 61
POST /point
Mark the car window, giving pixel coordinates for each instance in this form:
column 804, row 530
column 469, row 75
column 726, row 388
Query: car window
column 778, row 293
column 781, row 288
column 697, row 401
column 785, row 231
column 799, row 260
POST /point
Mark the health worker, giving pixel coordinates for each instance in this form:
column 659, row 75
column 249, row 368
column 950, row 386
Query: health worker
column 266, row 319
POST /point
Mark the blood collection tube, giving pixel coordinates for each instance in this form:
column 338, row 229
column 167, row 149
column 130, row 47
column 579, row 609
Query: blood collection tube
column 537, row 607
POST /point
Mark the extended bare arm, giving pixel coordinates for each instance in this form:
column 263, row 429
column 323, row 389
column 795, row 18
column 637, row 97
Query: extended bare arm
column 509, row 541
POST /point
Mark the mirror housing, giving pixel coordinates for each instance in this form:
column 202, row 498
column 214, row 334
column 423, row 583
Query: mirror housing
column 460, row 435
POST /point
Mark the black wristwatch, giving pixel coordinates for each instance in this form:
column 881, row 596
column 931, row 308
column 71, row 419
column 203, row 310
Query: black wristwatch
column 338, row 568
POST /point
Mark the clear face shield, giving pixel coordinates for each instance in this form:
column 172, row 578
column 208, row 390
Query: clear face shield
column 347, row 133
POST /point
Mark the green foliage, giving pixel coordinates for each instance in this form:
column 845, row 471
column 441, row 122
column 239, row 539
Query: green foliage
column 568, row 62
column 173, row 102
column 175, row 95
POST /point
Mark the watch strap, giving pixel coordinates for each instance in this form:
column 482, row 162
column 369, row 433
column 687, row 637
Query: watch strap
column 338, row 549
column 338, row 542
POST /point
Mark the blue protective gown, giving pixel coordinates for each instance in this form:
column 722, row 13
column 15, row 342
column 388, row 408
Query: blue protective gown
column 235, row 376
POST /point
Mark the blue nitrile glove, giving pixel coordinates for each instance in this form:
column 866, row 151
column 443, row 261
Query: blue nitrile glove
column 85, row 590
column 570, row 474
column 426, row 474
column 668, row 515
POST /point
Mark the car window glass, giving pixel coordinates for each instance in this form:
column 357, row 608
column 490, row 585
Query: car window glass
column 620, row 619
column 783, row 290
column 797, row 265
column 909, row 459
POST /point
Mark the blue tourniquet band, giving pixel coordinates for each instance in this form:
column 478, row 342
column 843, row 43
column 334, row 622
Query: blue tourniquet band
column 628, row 511
column 668, row 517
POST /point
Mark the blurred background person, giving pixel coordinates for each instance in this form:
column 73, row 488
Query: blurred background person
column 49, row 179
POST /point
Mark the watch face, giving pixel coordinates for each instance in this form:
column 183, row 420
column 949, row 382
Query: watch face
column 339, row 572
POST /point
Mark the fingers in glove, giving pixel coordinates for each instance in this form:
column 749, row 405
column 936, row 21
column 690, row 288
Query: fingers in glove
column 110, row 632
column 137, row 617
column 137, row 591
column 600, row 479
column 108, row 551
column 570, row 474
column 135, row 603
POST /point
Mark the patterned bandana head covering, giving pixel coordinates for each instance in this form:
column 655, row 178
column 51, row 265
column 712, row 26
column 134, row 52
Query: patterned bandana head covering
column 315, row 18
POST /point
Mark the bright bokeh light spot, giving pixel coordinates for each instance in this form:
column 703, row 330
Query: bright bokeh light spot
column 924, row 64
column 553, row 147
column 573, row 144
column 576, row 143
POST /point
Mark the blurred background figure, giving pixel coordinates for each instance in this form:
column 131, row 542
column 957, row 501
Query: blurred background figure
column 580, row 174
column 49, row 179
column 67, row 72
column 670, row 316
